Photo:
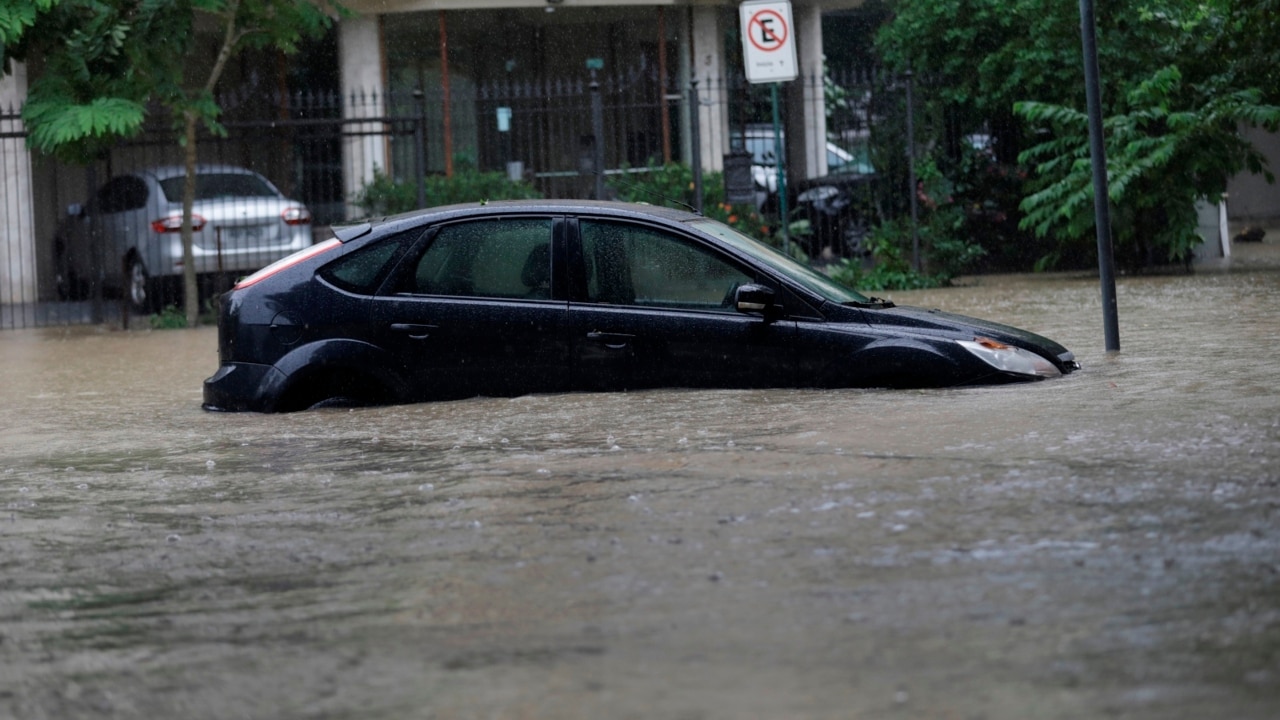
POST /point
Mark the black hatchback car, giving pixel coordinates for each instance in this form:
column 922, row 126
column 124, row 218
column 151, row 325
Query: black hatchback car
column 509, row 298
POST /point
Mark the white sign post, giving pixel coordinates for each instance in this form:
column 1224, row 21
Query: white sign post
column 768, row 41
column 769, row 56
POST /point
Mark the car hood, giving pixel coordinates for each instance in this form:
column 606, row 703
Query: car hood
column 963, row 327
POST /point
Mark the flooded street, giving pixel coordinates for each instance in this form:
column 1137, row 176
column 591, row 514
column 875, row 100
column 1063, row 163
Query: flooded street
column 1101, row 545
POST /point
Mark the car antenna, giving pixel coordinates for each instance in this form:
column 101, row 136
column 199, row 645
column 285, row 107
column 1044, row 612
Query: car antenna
column 656, row 194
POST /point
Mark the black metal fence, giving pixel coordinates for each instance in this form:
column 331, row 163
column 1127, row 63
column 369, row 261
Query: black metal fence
column 66, row 258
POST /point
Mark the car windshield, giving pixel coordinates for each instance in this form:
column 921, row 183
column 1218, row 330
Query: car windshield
column 811, row 279
column 210, row 186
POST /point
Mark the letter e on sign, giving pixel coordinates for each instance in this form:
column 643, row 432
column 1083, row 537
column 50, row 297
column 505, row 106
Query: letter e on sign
column 768, row 42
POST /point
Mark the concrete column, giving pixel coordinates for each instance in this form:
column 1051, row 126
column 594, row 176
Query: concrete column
column 806, row 104
column 1211, row 225
column 17, row 232
column 363, row 95
column 1253, row 199
column 708, row 67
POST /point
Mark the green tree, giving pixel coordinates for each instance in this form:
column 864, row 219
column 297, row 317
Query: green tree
column 260, row 24
column 1179, row 79
column 105, row 60
column 102, row 61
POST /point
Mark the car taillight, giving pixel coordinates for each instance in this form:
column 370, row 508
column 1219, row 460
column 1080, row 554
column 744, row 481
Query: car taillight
column 296, row 216
column 288, row 262
column 173, row 223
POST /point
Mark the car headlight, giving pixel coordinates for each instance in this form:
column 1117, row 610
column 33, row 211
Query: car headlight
column 1008, row 358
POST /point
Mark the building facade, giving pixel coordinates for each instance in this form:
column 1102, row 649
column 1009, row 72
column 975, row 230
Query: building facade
column 419, row 85
column 458, row 52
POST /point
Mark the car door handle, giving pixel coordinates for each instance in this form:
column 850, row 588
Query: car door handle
column 613, row 341
column 413, row 330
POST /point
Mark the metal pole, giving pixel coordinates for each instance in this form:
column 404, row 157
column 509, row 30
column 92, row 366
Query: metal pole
column 695, row 143
column 664, row 109
column 447, row 96
column 96, row 251
column 1098, row 154
column 911, row 176
column 597, row 131
column 781, row 166
column 420, row 146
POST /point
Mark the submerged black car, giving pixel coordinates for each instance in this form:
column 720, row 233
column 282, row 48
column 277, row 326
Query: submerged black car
column 543, row 296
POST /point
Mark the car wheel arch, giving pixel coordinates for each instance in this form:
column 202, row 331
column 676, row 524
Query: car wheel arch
column 329, row 369
column 903, row 362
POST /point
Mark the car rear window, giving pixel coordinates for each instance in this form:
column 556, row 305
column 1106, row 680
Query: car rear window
column 362, row 270
column 211, row 186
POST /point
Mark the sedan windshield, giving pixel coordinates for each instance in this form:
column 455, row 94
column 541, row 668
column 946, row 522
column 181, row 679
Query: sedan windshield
column 809, row 278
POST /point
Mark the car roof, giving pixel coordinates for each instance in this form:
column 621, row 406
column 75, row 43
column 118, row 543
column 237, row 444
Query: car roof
column 636, row 211
column 164, row 172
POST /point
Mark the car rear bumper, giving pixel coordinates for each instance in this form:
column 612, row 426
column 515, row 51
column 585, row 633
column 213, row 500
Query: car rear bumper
column 238, row 387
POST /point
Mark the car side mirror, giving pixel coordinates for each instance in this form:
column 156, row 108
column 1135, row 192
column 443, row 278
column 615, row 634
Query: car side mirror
column 753, row 299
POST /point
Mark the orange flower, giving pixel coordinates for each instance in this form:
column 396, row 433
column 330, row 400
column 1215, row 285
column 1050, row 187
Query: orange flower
column 733, row 219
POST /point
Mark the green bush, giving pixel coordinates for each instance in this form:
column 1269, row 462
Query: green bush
column 672, row 185
column 171, row 317
column 387, row 196
column 892, row 270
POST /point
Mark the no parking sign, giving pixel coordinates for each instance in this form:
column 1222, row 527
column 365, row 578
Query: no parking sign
column 768, row 44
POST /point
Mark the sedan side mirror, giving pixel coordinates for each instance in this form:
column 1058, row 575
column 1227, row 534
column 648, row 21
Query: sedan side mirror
column 753, row 298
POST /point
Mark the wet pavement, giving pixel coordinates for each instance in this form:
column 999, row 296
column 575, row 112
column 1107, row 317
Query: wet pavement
column 1102, row 545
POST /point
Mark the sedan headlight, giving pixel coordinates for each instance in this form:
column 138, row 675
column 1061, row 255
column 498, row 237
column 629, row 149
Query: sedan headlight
column 1008, row 358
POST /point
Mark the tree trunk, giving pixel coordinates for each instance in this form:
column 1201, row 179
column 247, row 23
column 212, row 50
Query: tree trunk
column 190, row 288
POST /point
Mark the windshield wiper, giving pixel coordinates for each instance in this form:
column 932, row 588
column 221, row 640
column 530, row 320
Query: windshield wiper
column 871, row 302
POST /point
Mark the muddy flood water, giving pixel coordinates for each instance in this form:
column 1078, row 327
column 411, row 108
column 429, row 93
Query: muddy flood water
column 1101, row 545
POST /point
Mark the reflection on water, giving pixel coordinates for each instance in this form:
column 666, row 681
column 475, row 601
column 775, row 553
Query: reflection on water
column 1100, row 544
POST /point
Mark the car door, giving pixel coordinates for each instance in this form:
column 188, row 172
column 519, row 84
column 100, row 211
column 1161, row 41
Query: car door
column 652, row 307
column 473, row 310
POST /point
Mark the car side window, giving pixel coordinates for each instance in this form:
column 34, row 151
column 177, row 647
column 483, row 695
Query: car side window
column 502, row 258
column 122, row 194
column 639, row 265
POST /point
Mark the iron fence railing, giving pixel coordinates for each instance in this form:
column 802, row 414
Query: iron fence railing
column 319, row 148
